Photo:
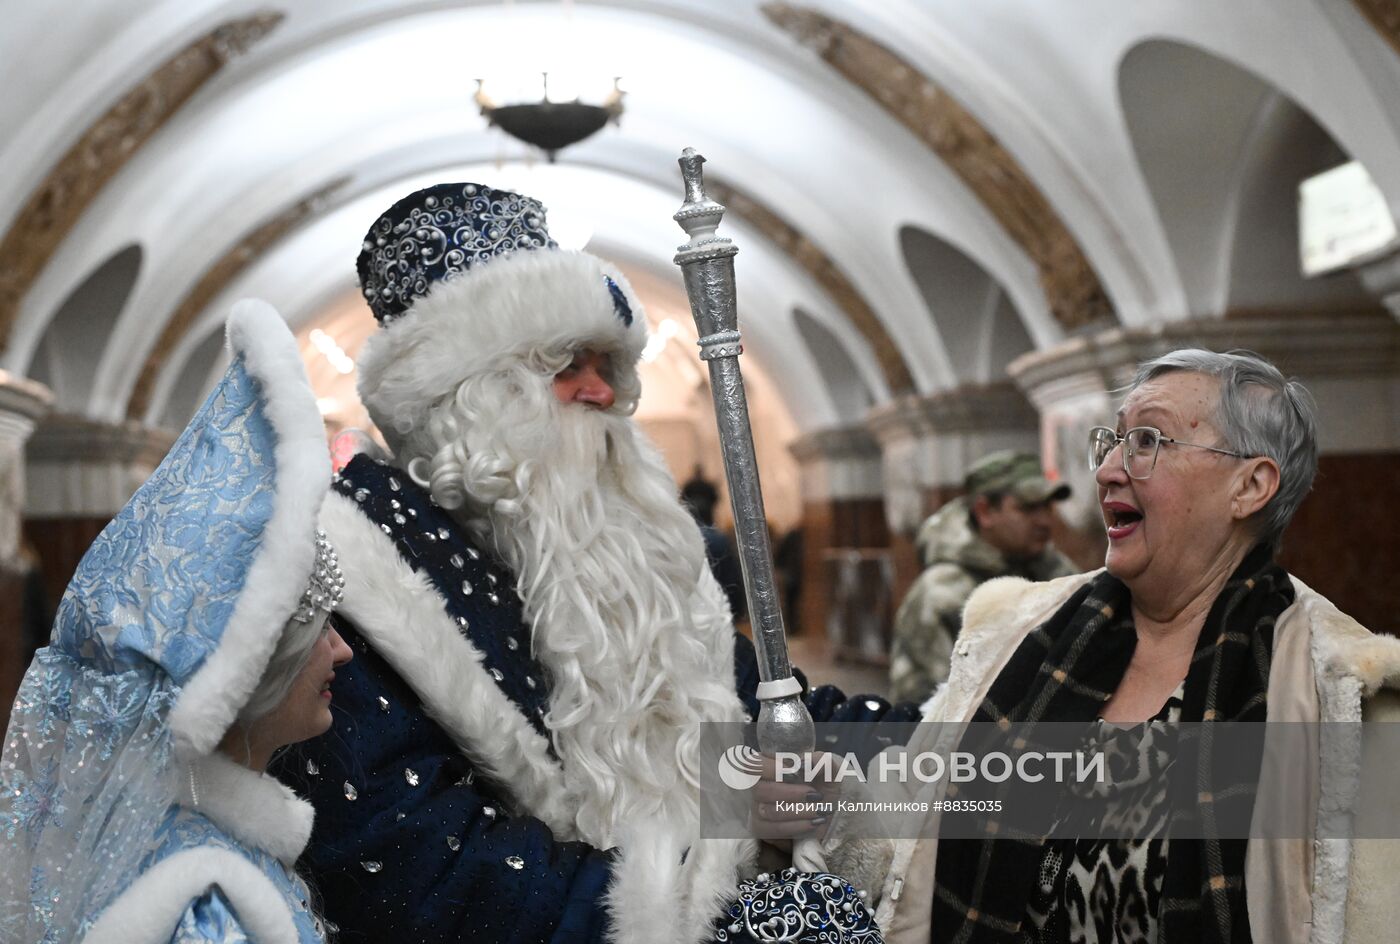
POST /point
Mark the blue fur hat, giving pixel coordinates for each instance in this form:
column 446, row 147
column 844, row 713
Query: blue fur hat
column 434, row 234
column 464, row 278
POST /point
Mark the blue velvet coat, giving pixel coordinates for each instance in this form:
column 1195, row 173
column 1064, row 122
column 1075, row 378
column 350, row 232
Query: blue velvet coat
column 413, row 841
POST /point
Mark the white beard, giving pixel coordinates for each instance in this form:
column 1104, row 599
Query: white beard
column 624, row 613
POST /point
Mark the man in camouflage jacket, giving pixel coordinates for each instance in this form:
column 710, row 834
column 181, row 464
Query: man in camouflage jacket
column 999, row 528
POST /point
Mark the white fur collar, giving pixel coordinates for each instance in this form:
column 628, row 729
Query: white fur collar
column 1344, row 648
column 653, row 895
column 403, row 617
column 151, row 907
column 1349, row 664
column 256, row 809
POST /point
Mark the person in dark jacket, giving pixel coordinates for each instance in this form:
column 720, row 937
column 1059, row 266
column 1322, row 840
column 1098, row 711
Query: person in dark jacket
column 700, row 497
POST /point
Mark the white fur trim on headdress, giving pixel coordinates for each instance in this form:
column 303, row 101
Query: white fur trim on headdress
column 213, row 696
column 499, row 311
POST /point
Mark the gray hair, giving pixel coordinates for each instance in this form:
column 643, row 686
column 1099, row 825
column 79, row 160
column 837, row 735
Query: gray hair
column 293, row 650
column 1259, row 413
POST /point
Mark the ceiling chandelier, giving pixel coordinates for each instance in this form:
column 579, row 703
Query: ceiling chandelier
column 555, row 120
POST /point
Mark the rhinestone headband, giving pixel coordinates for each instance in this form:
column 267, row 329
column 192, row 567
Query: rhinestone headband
column 327, row 586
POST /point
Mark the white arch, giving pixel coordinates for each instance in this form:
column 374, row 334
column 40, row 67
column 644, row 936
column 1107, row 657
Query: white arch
column 302, row 274
column 315, row 100
column 974, row 314
column 1043, row 78
column 267, row 132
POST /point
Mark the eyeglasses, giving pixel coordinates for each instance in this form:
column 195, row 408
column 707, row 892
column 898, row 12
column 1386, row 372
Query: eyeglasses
column 1140, row 446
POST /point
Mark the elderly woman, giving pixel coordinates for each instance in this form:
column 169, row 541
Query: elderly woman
column 1190, row 620
column 191, row 644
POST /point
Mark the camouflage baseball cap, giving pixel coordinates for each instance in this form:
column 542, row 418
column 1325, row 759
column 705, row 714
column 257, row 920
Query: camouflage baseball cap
column 1014, row 473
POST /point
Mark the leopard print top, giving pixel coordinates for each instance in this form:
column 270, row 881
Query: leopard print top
column 1107, row 891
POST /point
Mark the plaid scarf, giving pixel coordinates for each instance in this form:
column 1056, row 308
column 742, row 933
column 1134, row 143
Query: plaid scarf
column 1065, row 670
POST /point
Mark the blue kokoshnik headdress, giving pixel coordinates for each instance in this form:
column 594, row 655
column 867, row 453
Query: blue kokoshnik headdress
column 465, row 278
column 163, row 634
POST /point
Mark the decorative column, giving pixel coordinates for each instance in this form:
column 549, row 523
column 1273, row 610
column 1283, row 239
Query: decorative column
column 928, row 443
column 81, row 472
column 1350, row 363
column 22, row 402
column 843, row 525
column 1381, row 277
column 926, row 446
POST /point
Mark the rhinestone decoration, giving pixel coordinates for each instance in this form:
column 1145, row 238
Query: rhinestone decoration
column 491, row 579
column 443, row 533
column 512, row 643
column 872, row 704
column 790, row 899
column 473, row 553
column 385, row 528
column 438, row 233
column 371, row 866
column 398, row 817
column 350, row 792
column 312, row 769
column 466, row 588
column 454, row 843
column 400, row 520
column 394, row 484
column 458, row 562
column 462, row 622
column 383, row 703
column 515, row 862
column 394, row 504
column 429, row 536
column 361, row 494
column 495, row 600
column 530, row 681
column 326, row 588
column 489, row 811
column 496, row 674
column 411, row 776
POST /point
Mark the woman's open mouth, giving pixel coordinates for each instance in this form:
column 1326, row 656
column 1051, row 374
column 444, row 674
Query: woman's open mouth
column 1121, row 519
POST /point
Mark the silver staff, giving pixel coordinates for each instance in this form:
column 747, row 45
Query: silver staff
column 707, row 264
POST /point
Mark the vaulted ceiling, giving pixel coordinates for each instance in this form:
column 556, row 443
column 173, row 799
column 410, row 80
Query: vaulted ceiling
column 921, row 189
